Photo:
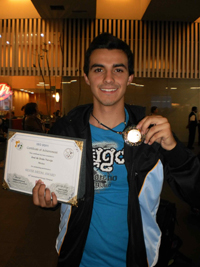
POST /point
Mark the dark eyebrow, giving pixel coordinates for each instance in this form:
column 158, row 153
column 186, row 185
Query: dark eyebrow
column 102, row 66
column 96, row 65
column 119, row 65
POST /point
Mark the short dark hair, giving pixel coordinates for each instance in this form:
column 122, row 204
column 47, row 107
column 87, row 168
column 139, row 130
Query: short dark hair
column 30, row 108
column 110, row 42
column 153, row 108
column 194, row 108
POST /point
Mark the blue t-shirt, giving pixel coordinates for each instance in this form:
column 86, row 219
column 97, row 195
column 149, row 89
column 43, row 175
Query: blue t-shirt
column 107, row 239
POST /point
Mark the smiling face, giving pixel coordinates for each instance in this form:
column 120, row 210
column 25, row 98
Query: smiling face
column 108, row 76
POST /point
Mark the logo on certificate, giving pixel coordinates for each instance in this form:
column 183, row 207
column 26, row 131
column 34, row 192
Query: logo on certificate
column 18, row 145
column 68, row 153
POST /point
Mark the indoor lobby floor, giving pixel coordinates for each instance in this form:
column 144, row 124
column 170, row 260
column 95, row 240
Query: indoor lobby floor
column 28, row 233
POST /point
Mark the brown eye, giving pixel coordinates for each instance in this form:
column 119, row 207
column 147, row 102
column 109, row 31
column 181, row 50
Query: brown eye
column 119, row 70
column 98, row 70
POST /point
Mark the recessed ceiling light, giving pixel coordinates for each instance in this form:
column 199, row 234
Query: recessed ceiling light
column 137, row 84
column 195, row 87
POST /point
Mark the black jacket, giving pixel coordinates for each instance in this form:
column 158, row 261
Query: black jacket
column 181, row 169
column 192, row 124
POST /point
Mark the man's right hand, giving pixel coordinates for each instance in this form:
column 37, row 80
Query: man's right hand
column 43, row 197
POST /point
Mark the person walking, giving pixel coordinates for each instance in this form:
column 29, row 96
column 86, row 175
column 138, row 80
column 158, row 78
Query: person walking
column 192, row 124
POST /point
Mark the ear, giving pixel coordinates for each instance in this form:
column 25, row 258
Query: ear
column 130, row 79
column 86, row 79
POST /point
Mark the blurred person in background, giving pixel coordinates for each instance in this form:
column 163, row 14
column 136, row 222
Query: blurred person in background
column 154, row 110
column 192, row 124
column 198, row 124
column 13, row 115
column 32, row 121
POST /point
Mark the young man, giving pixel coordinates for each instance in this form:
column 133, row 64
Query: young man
column 115, row 223
column 192, row 125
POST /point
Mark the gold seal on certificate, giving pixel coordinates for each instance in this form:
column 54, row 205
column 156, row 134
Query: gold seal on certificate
column 132, row 136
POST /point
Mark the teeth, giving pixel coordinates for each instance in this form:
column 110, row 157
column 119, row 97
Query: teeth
column 108, row 90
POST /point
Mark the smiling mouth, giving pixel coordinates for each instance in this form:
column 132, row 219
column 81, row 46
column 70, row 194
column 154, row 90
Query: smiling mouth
column 108, row 90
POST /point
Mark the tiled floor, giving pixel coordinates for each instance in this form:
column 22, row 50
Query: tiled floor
column 28, row 233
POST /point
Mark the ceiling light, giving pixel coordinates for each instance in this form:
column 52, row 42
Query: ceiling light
column 57, row 97
column 71, row 81
column 42, row 84
column 193, row 88
column 175, row 104
column 137, row 84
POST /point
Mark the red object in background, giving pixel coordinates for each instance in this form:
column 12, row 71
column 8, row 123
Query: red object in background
column 17, row 124
column 5, row 91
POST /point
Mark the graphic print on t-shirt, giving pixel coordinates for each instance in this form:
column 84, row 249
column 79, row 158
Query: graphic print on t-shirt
column 105, row 156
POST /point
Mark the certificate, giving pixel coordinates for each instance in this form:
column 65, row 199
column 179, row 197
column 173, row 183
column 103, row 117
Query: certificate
column 56, row 161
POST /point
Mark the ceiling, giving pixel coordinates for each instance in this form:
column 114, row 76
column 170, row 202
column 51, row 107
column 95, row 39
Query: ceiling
column 65, row 8
column 159, row 10
column 173, row 10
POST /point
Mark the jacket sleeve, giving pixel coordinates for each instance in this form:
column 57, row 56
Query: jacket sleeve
column 182, row 171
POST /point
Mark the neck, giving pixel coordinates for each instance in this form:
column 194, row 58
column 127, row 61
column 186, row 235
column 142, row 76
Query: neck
column 109, row 116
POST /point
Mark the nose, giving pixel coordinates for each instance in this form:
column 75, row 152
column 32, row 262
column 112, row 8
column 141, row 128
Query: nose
column 109, row 78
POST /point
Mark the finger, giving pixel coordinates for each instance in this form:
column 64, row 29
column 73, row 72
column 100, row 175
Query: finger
column 161, row 134
column 155, row 134
column 140, row 124
column 54, row 199
column 41, row 195
column 50, row 198
column 149, row 121
column 35, row 192
column 47, row 198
